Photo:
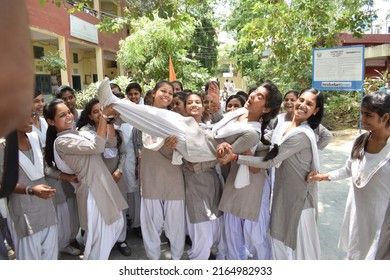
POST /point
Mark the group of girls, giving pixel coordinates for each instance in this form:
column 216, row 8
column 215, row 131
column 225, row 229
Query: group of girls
column 202, row 173
column 293, row 221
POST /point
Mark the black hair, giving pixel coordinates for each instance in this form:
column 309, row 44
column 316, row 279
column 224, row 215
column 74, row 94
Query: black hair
column 49, row 112
column 251, row 90
column 378, row 102
column 296, row 93
column 181, row 94
column 235, row 96
column 359, row 146
column 133, row 85
column 37, row 93
column 119, row 94
column 192, row 93
column 114, row 85
column 243, row 94
column 201, row 100
column 62, row 89
column 273, row 102
column 315, row 120
column 159, row 85
column 84, row 116
column 147, row 94
column 179, row 83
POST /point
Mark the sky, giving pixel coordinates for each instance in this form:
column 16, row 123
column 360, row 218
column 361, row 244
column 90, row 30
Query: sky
column 382, row 6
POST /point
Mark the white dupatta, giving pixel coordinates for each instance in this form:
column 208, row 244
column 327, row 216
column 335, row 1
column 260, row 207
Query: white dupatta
column 279, row 138
column 34, row 170
column 229, row 126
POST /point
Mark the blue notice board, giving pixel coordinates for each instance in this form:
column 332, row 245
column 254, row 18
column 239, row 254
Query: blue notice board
column 339, row 68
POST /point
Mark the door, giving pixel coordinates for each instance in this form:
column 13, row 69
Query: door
column 76, row 82
column 43, row 83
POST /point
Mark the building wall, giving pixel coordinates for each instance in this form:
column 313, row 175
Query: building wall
column 54, row 22
column 377, row 54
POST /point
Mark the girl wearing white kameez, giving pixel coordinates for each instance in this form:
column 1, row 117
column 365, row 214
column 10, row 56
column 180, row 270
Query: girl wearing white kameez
column 100, row 205
column 369, row 167
column 32, row 217
column 293, row 228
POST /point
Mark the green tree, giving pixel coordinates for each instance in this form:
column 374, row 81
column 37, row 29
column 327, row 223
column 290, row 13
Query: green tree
column 275, row 37
column 204, row 42
column 146, row 51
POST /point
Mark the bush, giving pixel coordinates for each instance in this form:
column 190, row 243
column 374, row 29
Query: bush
column 342, row 109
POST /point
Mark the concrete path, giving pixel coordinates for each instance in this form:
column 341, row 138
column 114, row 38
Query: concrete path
column 333, row 195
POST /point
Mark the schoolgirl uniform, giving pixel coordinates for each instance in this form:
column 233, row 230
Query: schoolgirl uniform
column 367, row 203
column 162, row 198
column 100, row 204
column 32, row 221
column 293, row 227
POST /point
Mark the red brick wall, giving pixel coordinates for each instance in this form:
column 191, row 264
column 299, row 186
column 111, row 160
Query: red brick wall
column 57, row 20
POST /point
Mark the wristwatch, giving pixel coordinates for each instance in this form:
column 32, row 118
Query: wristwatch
column 109, row 119
column 30, row 190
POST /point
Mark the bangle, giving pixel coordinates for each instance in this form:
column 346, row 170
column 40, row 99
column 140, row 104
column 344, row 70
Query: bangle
column 26, row 189
column 235, row 157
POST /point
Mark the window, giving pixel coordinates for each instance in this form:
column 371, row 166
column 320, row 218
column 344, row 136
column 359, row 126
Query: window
column 75, row 58
column 38, row 52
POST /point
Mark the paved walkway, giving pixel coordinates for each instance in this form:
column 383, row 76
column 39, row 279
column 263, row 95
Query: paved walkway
column 332, row 198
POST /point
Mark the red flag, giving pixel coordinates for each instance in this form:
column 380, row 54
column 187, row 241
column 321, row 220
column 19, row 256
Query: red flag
column 172, row 75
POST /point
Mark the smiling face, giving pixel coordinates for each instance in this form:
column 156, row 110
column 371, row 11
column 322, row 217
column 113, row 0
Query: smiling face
column 134, row 95
column 26, row 127
column 256, row 103
column 96, row 113
column 371, row 120
column 163, row 96
column 63, row 119
column 288, row 103
column 194, row 106
column 305, row 107
column 38, row 103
